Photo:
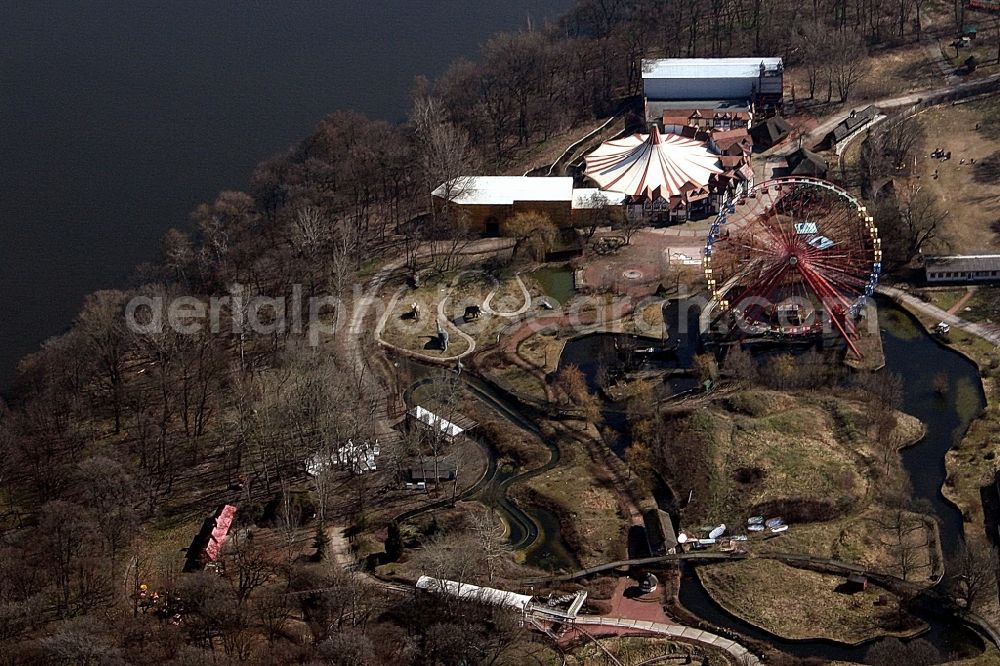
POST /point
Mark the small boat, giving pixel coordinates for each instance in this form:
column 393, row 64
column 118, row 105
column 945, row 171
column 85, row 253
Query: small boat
column 756, row 528
column 546, row 305
column 779, row 528
column 774, row 522
column 739, row 537
column 682, row 538
column 755, row 520
column 717, row 532
column 706, row 542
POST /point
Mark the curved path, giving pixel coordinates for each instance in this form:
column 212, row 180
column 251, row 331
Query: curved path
column 625, row 626
column 520, row 311
column 442, row 318
column 827, row 124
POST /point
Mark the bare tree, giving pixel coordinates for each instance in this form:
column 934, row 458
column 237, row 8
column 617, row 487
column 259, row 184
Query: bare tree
column 894, row 652
column 252, row 566
column 490, row 536
column 102, row 324
column 595, row 213
column 974, row 572
column 908, row 225
column 629, row 225
column 847, row 63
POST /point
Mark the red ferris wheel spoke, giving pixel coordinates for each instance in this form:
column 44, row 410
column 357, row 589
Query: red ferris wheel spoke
column 795, row 239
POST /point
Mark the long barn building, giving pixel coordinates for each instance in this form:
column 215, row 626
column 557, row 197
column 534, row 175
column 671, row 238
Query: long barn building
column 758, row 80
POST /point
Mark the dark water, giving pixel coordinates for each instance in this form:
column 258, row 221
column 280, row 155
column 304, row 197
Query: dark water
column 119, row 117
column 918, row 358
column 556, row 282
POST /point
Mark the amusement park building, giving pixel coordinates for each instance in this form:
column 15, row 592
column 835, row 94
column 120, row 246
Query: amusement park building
column 711, row 115
column 963, row 268
column 759, row 80
column 670, row 178
column 487, row 201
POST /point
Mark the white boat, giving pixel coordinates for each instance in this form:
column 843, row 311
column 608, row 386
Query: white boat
column 774, row 522
column 706, row 542
column 755, row 520
column 779, row 528
column 682, row 538
column 739, row 537
column 717, row 532
column 756, row 528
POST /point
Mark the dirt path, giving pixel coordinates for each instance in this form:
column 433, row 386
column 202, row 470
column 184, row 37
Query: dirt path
column 340, row 547
column 969, row 292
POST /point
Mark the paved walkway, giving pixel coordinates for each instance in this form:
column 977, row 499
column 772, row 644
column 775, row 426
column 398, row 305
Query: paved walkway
column 826, row 126
column 364, row 304
column 525, row 306
column 626, row 626
column 988, row 333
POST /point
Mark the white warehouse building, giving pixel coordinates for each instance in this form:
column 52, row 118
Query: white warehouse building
column 759, row 80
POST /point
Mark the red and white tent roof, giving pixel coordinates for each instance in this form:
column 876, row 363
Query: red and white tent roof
column 641, row 164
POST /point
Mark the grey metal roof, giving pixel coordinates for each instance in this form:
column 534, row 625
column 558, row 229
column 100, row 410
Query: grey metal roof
column 714, row 104
column 772, row 130
column 707, row 68
column 852, row 123
column 807, row 163
column 963, row 263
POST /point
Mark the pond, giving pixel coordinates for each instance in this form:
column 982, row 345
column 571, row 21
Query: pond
column 556, row 281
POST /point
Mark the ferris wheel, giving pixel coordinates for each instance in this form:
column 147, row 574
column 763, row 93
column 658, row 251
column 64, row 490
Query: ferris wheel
column 793, row 252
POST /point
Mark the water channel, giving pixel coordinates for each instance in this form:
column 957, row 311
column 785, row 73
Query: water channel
column 918, row 358
column 909, row 350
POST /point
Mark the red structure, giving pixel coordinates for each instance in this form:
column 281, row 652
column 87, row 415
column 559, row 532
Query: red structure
column 795, row 249
column 219, row 533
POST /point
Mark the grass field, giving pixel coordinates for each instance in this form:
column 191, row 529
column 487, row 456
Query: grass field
column 795, row 454
column 638, row 650
column 970, row 193
column 800, row 604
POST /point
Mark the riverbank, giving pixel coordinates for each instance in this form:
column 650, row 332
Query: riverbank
column 971, row 463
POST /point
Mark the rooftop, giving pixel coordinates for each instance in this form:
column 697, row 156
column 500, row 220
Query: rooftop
column 771, row 131
column 963, row 263
column 644, row 163
column 854, row 121
column 505, row 190
column 707, row 68
column 720, row 105
column 485, row 595
column 452, row 428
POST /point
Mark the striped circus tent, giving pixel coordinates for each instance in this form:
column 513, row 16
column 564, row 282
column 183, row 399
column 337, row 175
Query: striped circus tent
column 652, row 165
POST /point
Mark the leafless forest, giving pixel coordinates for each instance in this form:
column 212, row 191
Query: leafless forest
column 109, row 439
